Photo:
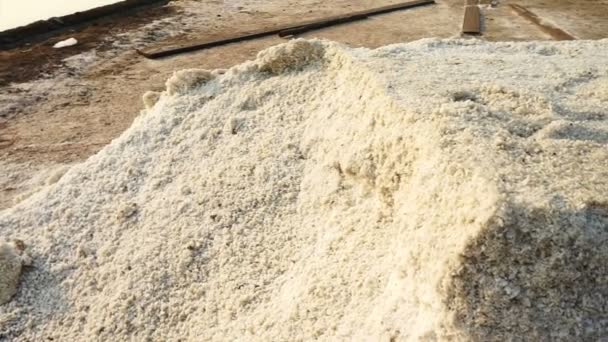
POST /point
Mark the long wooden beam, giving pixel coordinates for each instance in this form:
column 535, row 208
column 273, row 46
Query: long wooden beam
column 555, row 32
column 283, row 30
column 159, row 53
column 351, row 17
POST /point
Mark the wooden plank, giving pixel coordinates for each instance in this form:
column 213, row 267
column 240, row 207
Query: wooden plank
column 351, row 17
column 555, row 32
column 282, row 30
column 472, row 20
column 162, row 52
column 313, row 25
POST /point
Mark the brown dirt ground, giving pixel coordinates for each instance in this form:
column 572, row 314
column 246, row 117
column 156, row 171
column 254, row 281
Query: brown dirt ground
column 30, row 60
column 43, row 128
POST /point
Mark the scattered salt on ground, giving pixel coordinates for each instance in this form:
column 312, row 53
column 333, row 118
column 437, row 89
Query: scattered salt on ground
column 438, row 190
column 66, row 43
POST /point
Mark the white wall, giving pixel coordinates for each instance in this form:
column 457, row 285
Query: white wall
column 15, row 13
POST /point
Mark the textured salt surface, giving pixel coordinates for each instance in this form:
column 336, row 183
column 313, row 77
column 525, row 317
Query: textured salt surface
column 442, row 189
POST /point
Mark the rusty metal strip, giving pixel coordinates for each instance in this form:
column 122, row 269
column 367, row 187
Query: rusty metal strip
column 282, row 31
column 555, row 32
column 472, row 20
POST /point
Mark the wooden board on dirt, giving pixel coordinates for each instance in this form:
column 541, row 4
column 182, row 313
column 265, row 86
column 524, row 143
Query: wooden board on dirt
column 472, row 20
column 555, row 32
column 283, row 31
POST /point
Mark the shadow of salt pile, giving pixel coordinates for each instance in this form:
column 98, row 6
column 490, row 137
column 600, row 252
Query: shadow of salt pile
column 542, row 268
